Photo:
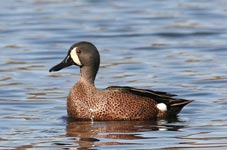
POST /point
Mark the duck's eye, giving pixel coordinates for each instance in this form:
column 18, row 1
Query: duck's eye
column 78, row 51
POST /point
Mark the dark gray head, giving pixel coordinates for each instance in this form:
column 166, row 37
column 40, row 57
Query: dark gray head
column 83, row 54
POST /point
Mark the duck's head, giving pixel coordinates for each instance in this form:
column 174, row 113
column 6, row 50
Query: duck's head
column 83, row 54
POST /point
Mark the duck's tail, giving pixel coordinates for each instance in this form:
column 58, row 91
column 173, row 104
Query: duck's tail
column 176, row 107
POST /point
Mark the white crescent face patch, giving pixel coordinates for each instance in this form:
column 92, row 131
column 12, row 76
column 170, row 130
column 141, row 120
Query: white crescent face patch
column 75, row 57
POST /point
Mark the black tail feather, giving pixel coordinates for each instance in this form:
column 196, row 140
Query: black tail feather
column 175, row 108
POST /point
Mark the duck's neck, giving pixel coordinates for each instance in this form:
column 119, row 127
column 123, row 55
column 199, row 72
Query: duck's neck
column 87, row 75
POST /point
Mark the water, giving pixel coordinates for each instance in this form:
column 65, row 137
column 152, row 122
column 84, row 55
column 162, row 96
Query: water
column 174, row 46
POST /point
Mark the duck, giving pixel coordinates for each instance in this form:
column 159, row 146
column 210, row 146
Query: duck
column 86, row 102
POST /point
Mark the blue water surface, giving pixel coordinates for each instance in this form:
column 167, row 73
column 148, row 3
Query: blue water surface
column 174, row 46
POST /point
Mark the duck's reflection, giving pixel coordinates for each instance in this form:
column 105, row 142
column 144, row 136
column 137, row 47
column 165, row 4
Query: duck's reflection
column 99, row 133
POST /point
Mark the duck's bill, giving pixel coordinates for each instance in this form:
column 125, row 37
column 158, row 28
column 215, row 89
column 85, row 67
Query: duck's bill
column 65, row 63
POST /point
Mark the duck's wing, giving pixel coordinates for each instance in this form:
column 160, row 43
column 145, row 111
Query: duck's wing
column 156, row 95
column 176, row 104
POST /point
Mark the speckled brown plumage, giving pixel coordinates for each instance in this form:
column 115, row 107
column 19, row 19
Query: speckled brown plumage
column 86, row 102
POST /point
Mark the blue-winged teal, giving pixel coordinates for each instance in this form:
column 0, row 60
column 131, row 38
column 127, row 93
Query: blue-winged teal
column 86, row 102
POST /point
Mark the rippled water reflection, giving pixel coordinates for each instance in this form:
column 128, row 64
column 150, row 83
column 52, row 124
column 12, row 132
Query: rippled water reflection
column 178, row 47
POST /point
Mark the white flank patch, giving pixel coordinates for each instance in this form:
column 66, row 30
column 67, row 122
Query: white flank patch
column 75, row 57
column 162, row 107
